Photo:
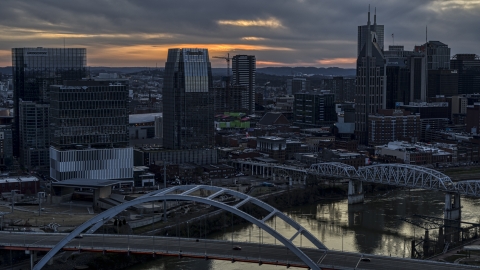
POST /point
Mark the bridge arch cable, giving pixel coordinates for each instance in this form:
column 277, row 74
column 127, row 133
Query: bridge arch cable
column 186, row 195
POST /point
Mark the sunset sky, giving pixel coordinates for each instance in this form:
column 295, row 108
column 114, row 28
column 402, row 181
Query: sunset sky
column 319, row 33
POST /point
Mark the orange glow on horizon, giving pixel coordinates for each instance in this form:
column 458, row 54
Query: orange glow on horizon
column 337, row 61
column 148, row 55
column 158, row 53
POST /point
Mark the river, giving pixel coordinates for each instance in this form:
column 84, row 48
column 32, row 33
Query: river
column 373, row 227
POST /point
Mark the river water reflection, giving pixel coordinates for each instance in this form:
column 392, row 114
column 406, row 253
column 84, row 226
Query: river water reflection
column 373, row 227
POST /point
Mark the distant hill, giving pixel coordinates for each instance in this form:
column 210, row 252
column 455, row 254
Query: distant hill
column 119, row 69
column 288, row 71
column 8, row 70
column 278, row 71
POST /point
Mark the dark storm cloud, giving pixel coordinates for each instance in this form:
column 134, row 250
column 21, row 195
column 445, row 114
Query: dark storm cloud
column 294, row 32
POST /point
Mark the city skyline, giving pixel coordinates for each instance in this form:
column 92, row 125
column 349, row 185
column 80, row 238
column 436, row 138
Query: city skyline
column 289, row 33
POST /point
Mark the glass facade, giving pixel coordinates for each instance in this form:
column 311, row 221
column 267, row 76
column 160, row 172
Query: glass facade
column 34, row 70
column 34, row 133
column 89, row 113
column 244, row 68
column 188, row 107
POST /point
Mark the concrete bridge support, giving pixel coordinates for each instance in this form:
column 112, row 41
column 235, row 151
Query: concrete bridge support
column 452, row 215
column 355, row 192
column 452, row 206
column 426, row 244
column 33, row 257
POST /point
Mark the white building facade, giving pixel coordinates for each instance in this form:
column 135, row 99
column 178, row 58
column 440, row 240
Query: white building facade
column 113, row 163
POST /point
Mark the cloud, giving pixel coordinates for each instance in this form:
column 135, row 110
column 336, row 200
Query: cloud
column 269, row 23
column 283, row 32
column 253, row 38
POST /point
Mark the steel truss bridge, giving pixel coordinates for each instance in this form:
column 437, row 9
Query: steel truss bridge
column 402, row 175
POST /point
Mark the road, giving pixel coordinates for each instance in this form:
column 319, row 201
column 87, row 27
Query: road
column 214, row 249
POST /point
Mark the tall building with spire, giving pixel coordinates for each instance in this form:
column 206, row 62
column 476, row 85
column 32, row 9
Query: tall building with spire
column 370, row 91
column 363, row 32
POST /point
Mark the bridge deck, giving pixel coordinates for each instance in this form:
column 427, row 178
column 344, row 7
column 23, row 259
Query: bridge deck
column 214, row 249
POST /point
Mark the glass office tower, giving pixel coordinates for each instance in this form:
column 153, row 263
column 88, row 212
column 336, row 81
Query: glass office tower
column 34, row 70
column 188, row 107
column 89, row 130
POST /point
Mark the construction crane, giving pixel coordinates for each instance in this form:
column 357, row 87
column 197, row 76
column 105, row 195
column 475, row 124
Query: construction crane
column 227, row 58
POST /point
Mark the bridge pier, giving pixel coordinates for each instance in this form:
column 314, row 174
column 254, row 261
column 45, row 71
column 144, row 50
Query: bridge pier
column 426, row 244
column 355, row 192
column 452, row 216
column 452, row 206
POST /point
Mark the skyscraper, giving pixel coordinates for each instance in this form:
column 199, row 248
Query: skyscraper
column 34, row 70
column 244, row 69
column 405, row 76
column 468, row 68
column 363, row 34
column 440, row 79
column 370, row 90
column 89, row 130
column 188, row 108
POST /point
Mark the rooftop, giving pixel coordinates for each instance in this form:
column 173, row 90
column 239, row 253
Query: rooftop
column 89, row 183
column 18, row 179
column 143, row 118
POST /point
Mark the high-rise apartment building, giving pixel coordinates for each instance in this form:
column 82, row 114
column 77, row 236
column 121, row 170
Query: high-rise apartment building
column 297, row 85
column 468, row 68
column 314, row 109
column 438, row 54
column 405, row 76
column 188, row 106
column 34, row 70
column 34, row 134
column 370, row 89
column 342, row 87
column 89, row 131
column 6, row 149
column 230, row 99
column 441, row 80
column 244, row 69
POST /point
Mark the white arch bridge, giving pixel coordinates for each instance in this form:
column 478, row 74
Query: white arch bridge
column 208, row 195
